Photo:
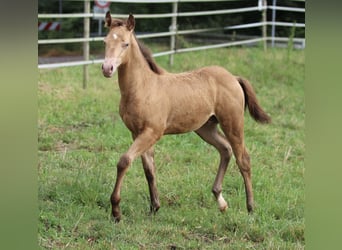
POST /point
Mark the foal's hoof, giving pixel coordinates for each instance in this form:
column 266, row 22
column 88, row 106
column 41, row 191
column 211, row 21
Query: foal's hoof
column 116, row 216
column 250, row 209
column 223, row 205
column 117, row 219
column 154, row 209
column 223, row 208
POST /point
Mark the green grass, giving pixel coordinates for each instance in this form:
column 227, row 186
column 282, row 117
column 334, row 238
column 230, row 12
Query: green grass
column 81, row 138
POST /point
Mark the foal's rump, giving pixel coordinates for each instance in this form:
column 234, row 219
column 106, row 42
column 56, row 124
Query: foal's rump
column 235, row 92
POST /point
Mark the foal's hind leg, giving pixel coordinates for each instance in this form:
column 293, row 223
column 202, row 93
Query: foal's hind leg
column 234, row 132
column 149, row 169
column 209, row 133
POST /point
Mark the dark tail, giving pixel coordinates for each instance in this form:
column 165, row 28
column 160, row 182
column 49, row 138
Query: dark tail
column 252, row 103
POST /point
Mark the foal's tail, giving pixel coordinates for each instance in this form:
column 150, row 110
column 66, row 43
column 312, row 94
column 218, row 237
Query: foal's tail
column 252, row 103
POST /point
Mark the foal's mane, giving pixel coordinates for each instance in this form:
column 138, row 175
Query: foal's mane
column 148, row 57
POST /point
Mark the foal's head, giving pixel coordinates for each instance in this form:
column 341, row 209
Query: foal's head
column 117, row 42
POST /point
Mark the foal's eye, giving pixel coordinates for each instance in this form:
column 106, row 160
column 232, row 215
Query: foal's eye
column 125, row 45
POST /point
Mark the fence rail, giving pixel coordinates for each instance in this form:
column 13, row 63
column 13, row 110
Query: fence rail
column 261, row 6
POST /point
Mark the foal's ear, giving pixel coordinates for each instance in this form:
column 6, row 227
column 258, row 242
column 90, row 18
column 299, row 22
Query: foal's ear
column 108, row 19
column 130, row 22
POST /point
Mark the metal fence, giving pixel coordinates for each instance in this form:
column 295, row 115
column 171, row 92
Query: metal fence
column 260, row 6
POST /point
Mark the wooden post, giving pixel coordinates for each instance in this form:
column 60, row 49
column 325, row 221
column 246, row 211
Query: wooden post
column 264, row 20
column 273, row 20
column 86, row 32
column 173, row 27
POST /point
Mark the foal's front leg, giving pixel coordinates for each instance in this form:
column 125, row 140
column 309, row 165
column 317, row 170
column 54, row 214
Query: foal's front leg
column 142, row 142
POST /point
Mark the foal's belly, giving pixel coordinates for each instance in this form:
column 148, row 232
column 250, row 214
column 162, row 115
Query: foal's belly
column 186, row 122
column 189, row 111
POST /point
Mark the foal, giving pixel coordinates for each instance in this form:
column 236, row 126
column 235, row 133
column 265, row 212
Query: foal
column 155, row 102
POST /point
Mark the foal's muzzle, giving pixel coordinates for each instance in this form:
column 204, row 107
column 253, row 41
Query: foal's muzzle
column 109, row 66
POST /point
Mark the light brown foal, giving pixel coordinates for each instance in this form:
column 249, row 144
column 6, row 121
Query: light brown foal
column 155, row 102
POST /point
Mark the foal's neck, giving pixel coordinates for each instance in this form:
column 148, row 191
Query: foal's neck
column 135, row 73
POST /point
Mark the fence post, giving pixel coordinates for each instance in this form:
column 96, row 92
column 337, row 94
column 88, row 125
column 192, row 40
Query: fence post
column 273, row 20
column 264, row 21
column 173, row 27
column 86, row 30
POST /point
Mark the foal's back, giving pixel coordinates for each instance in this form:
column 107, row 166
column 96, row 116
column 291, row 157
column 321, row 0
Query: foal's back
column 191, row 98
column 208, row 85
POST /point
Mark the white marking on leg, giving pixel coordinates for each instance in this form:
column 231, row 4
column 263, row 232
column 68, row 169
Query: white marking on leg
column 222, row 203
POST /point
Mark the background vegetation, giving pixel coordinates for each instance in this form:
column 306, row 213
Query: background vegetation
column 81, row 137
column 73, row 27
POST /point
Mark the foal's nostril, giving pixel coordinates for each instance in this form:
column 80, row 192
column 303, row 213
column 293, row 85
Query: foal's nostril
column 111, row 68
column 102, row 66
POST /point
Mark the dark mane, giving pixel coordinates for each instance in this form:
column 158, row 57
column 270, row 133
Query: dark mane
column 149, row 59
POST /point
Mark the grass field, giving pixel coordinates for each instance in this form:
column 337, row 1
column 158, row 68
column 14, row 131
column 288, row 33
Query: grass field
column 81, row 138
